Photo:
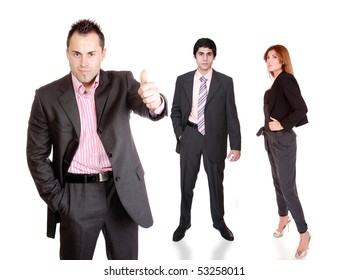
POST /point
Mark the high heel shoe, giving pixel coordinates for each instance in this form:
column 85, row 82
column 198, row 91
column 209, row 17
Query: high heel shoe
column 302, row 254
column 278, row 234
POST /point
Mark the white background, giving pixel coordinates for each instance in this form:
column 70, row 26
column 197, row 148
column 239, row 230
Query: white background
column 159, row 36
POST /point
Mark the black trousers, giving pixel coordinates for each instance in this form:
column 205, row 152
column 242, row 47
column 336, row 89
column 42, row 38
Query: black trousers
column 88, row 209
column 191, row 150
column 282, row 149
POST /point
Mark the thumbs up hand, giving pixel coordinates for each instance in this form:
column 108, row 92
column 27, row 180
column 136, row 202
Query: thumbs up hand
column 144, row 76
column 149, row 92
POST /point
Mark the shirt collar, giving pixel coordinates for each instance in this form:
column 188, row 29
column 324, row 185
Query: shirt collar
column 208, row 75
column 79, row 87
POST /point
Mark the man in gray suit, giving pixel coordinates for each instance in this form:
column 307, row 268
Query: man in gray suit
column 94, row 181
column 203, row 115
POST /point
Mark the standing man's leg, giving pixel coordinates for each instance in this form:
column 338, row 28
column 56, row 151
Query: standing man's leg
column 82, row 213
column 120, row 231
column 215, row 175
column 190, row 156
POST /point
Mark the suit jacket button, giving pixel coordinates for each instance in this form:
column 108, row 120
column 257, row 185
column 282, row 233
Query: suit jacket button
column 117, row 179
column 99, row 131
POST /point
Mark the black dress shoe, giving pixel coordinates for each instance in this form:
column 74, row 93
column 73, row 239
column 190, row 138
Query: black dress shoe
column 225, row 232
column 179, row 233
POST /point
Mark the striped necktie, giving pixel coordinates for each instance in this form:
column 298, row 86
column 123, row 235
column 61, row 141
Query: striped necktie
column 201, row 105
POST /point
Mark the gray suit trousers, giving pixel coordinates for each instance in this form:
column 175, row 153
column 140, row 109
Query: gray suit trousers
column 88, row 209
column 193, row 147
column 282, row 149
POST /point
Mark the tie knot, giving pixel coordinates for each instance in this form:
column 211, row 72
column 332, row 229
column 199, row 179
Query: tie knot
column 203, row 79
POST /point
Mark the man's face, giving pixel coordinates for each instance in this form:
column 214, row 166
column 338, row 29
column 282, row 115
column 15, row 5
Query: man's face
column 85, row 56
column 204, row 59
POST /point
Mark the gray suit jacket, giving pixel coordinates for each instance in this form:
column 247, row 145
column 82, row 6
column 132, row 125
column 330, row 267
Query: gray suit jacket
column 53, row 138
column 221, row 118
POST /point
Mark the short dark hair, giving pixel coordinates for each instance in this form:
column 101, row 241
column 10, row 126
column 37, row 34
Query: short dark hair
column 205, row 43
column 84, row 27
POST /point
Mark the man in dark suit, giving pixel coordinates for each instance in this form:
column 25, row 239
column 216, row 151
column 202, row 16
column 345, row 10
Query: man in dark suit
column 203, row 114
column 94, row 181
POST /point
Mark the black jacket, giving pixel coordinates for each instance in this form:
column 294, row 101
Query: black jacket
column 286, row 103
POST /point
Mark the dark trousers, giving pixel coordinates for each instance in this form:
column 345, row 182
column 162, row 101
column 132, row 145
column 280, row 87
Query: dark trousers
column 191, row 149
column 282, row 149
column 86, row 210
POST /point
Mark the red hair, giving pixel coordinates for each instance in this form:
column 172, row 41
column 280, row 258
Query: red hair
column 283, row 56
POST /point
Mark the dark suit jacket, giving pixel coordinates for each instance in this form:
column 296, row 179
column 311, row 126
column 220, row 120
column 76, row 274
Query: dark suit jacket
column 221, row 118
column 54, row 130
column 286, row 103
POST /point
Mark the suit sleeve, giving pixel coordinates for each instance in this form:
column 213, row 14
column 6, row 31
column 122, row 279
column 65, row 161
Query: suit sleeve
column 232, row 118
column 295, row 100
column 38, row 151
column 176, row 113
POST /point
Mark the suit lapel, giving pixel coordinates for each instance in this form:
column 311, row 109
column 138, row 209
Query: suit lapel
column 101, row 95
column 188, row 87
column 69, row 104
column 213, row 86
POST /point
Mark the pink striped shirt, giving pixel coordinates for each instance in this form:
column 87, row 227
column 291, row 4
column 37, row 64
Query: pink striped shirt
column 90, row 156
